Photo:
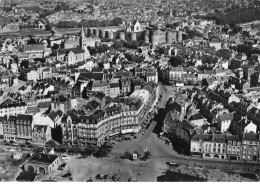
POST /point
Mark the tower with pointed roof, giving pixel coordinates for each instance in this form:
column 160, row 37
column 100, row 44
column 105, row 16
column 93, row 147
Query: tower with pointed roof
column 83, row 39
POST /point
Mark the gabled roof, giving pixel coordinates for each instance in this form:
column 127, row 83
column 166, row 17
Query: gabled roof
column 233, row 138
column 27, row 176
column 250, row 137
column 196, row 116
column 43, row 158
column 210, row 72
column 219, row 137
column 203, row 137
column 41, row 149
column 114, row 85
column 225, row 116
column 90, row 75
column 25, row 117
column 33, row 47
column 66, row 51
column 100, row 83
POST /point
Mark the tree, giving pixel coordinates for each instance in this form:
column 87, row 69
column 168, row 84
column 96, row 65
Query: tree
column 127, row 155
column 117, row 44
column 48, row 27
column 51, row 143
column 147, row 155
column 103, row 151
column 116, row 21
column 61, row 149
column 102, row 48
column 25, row 64
column 176, row 61
column 67, row 24
column 160, row 13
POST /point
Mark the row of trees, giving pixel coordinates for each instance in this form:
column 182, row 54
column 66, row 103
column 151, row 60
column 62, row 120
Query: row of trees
column 99, row 152
column 134, row 58
column 234, row 16
column 129, row 156
column 90, row 23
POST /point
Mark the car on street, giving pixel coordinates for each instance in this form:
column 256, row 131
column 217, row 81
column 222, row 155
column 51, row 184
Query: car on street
column 15, row 144
column 172, row 163
column 27, row 143
column 64, row 157
column 113, row 142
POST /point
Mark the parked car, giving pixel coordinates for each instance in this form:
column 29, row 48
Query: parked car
column 113, row 142
column 11, row 141
column 15, row 144
column 172, row 163
column 64, row 157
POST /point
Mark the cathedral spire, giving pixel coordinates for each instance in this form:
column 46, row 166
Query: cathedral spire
column 83, row 32
column 171, row 13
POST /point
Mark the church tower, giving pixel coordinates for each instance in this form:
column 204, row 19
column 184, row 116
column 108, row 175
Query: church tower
column 171, row 13
column 83, row 39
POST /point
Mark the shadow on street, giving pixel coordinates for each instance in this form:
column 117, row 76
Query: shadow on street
column 159, row 118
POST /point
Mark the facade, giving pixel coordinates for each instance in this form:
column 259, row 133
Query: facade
column 224, row 121
column 209, row 146
column 24, row 127
column 34, row 50
column 114, row 90
column 71, row 56
column 234, row 146
column 12, row 109
column 41, row 163
column 41, row 134
column 125, row 86
column 94, row 129
column 33, row 75
column 250, row 147
column 101, row 86
column 9, row 128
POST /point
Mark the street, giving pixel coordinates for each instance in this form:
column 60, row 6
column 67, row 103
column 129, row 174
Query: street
column 162, row 152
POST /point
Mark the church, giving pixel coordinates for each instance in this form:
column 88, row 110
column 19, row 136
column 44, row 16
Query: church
column 88, row 41
column 71, row 56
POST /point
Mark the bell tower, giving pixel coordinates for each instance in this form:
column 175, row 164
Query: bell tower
column 83, row 39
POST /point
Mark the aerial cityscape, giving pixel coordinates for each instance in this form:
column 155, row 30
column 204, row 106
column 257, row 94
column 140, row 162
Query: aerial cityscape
column 130, row 90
